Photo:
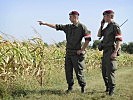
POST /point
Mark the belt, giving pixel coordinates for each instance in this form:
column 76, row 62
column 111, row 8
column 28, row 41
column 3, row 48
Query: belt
column 71, row 50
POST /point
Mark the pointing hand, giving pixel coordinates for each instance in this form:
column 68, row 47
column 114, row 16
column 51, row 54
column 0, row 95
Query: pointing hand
column 40, row 23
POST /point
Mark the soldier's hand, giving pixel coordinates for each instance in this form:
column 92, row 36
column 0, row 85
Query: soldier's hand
column 102, row 23
column 114, row 55
column 80, row 52
column 40, row 23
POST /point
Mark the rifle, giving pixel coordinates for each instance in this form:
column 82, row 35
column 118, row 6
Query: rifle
column 124, row 22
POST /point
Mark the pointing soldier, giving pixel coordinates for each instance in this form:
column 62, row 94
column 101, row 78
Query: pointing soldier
column 74, row 51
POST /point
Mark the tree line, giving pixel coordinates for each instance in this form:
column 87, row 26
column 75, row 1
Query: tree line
column 126, row 47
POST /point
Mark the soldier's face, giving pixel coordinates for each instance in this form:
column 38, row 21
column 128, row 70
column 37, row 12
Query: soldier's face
column 73, row 18
column 107, row 18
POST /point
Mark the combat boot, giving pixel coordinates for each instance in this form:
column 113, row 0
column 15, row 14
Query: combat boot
column 69, row 89
column 107, row 89
column 82, row 89
column 111, row 91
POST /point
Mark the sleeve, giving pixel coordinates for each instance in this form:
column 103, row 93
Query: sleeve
column 118, row 34
column 60, row 27
column 87, row 33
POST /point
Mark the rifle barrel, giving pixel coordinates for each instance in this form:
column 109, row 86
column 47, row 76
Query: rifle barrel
column 123, row 22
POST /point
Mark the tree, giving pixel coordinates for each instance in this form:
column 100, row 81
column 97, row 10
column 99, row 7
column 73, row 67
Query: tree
column 63, row 43
column 124, row 47
column 95, row 44
column 130, row 48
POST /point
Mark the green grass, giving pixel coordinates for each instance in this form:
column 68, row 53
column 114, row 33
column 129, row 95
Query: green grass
column 29, row 89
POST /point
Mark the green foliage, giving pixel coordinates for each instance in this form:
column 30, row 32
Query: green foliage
column 130, row 48
column 37, row 59
column 95, row 44
column 34, row 60
column 60, row 44
column 124, row 47
column 127, row 47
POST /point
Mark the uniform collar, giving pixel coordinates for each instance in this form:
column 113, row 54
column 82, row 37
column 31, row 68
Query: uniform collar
column 76, row 24
column 110, row 23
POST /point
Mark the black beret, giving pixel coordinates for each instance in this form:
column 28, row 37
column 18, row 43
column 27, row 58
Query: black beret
column 108, row 12
column 74, row 13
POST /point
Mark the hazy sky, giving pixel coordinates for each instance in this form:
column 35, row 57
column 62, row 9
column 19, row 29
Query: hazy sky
column 17, row 17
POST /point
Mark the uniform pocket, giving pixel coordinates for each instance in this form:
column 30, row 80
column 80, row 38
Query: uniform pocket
column 81, row 63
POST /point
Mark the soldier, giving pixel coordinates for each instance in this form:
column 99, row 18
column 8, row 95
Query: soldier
column 110, row 44
column 74, row 51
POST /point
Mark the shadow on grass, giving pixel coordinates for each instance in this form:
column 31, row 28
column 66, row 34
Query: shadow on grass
column 23, row 93
column 103, row 94
column 55, row 92
column 95, row 92
column 49, row 92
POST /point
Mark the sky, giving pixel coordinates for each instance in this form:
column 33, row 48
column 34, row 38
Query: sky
column 18, row 18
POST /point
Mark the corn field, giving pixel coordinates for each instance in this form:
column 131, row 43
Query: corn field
column 33, row 58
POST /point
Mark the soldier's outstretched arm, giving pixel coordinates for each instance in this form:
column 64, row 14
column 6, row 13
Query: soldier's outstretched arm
column 47, row 24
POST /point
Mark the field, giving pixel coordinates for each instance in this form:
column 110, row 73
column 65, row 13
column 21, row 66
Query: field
column 31, row 70
column 30, row 90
